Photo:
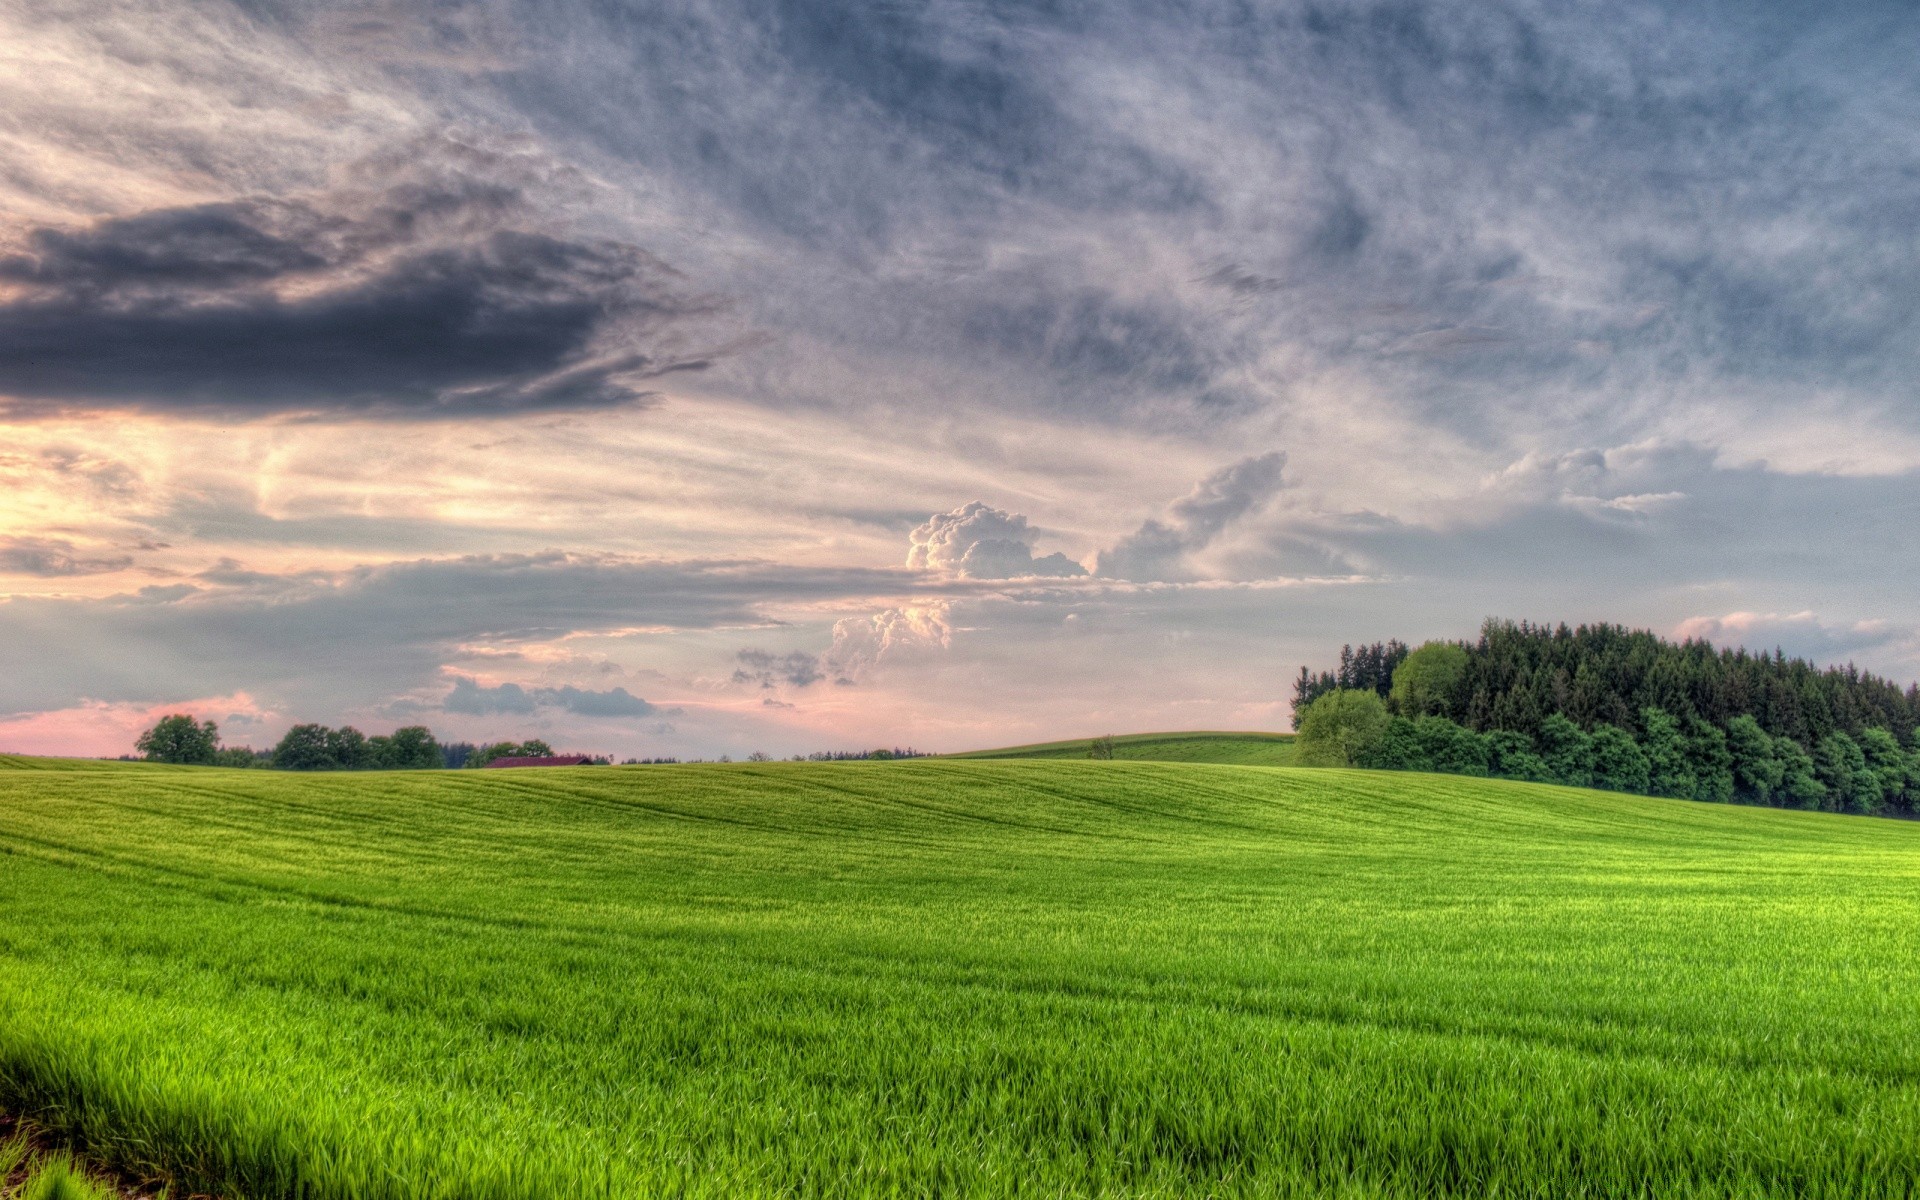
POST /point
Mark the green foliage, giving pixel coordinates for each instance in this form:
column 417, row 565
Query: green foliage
column 1669, row 766
column 1510, row 755
column 953, row 978
column 1713, row 725
column 1101, row 748
column 1842, row 768
column 1619, row 765
column 179, row 739
column 1757, row 771
column 1711, row 761
column 1399, row 749
column 411, row 748
column 1449, row 748
column 532, row 748
column 1362, row 668
column 304, row 748
column 348, row 749
column 1426, row 679
column 1341, row 728
column 1567, row 750
column 1891, row 766
column 57, row 1177
column 1800, row 784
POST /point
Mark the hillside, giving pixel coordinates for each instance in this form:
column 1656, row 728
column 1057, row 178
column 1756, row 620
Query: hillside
column 956, row 977
column 1236, row 749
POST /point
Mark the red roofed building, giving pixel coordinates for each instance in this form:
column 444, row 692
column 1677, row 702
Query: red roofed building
column 558, row 760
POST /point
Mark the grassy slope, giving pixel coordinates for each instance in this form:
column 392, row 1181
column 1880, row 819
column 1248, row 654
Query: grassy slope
column 1236, row 749
column 963, row 978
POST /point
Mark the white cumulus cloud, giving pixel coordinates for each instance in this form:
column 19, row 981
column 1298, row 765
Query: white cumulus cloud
column 979, row 541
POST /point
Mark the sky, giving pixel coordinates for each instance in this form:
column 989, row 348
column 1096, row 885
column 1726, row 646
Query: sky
column 690, row 379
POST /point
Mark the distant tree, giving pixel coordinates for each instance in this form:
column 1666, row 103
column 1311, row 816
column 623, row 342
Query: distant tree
column 179, row 739
column 455, row 754
column 1669, row 766
column 1800, row 784
column 1451, row 748
column 882, row 753
column 1511, row 755
column 1399, row 749
column 349, row 750
column 1842, row 767
column 1341, row 728
column 410, row 748
column 1710, row 760
column 1889, row 764
column 1100, row 747
column 239, row 756
column 304, row 748
column 1518, row 674
column 1426, row 679
column 1309, row 687
column 1757, row 771
column 1567, row 750
column 759, row 756
column 1619, row 765
column 535, row 748
column 481, row 755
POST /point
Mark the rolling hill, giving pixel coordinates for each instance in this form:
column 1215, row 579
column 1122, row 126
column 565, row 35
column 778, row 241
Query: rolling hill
column 1237, row 749
column 954, row 977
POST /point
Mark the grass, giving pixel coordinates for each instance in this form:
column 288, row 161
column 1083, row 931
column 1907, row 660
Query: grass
column 954, row 978
column 25, row 1175
column 1236, row 749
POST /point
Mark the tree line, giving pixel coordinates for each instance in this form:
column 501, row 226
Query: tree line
column 180, row 738
column 1605, row 706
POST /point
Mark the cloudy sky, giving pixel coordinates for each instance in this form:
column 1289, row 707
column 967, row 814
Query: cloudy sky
column 687, row 379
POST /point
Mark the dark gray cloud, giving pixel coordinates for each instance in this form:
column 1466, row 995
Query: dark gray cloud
column 54, row 557
column 472, row 698
column 428, row 291
column 769, row 670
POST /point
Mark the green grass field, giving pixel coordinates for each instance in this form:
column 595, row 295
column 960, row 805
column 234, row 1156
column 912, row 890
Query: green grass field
column 955, row 978
column 1236, row 749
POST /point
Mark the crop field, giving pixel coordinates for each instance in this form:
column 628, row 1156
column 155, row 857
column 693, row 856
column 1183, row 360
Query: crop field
column 1238, row 749
column 954, row 978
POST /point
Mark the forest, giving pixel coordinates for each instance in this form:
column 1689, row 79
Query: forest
column 1627, row 710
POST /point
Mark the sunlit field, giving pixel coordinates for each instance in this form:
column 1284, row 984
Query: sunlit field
column 1240, row 749
column 954, row 978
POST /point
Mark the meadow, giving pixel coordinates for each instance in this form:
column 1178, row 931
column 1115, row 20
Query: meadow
column 953, row 978
column 1239, row 749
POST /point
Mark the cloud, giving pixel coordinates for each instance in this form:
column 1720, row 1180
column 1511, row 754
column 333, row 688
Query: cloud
column 769, row 670
column 862, row 643
column 433, row 287
column 1158, row 550
column 473, row 698
column 53, row 558
column 1800, row 635
column 978, row 541
column 477, row 699
column 859, row 645
column 320, row 642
